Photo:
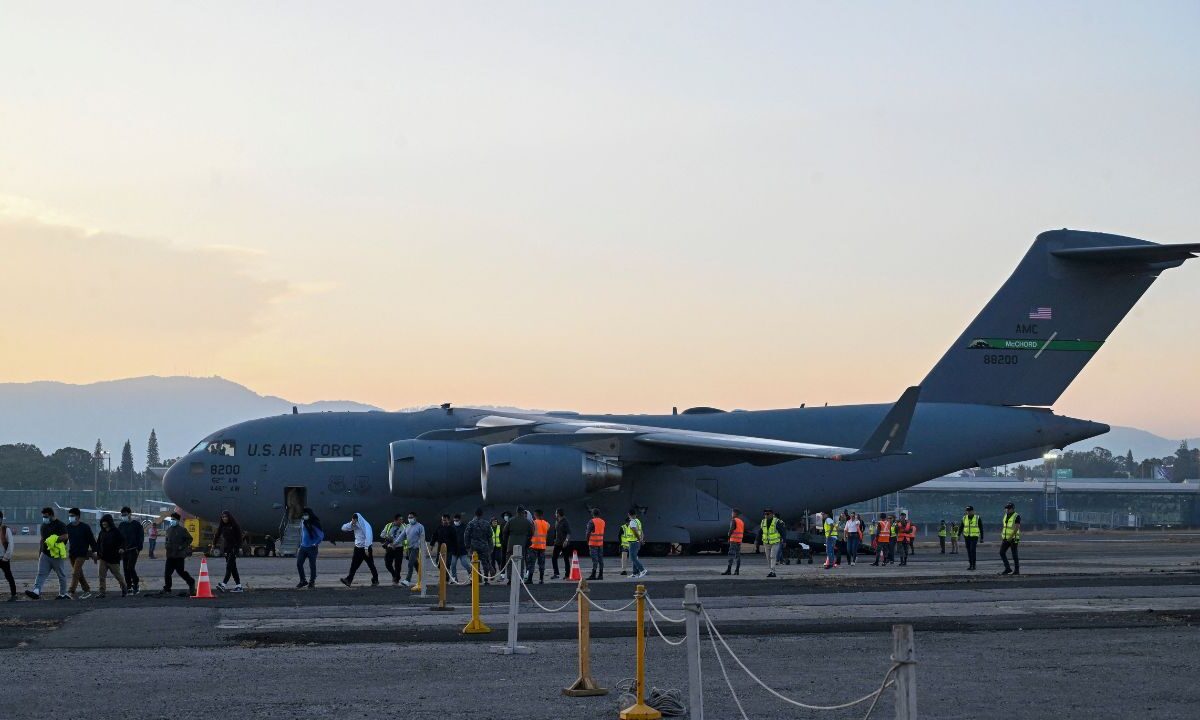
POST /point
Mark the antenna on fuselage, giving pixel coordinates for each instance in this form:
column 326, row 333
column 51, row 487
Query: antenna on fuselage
column 295, row 410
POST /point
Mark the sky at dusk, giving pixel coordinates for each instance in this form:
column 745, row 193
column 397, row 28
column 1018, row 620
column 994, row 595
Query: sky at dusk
column 601, row 207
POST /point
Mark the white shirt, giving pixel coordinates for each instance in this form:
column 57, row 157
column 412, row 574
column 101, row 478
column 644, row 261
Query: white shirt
column 363, row 535
column 852, row 526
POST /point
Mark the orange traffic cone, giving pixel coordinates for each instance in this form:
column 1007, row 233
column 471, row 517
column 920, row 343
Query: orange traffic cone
column 575, row 567
column 203, row 586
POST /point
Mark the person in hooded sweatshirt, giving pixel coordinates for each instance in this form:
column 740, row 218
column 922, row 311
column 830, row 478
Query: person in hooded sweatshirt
column 364, row 536
column 134, row 536
column 81, row 547
column 311, row 536
column 229, row 536
column 110, row 546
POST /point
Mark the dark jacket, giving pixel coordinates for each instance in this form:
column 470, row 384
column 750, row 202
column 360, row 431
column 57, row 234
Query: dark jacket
column 478, row 536
column 562, row 530
column 228, row 536
column 446, row 535
column 517, row 532
column 178, row 542
column 133, row 533
column 460, row 538
column 80, row 540
column 109, row 544
column 54, row 527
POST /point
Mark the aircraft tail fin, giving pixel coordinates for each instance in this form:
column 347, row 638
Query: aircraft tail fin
column 1049, row 319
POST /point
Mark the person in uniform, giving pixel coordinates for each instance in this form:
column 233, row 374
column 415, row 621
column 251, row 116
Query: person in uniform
column 1010, row 537
column 954, row 528
column 831, row 539
column 637, row 537
column 595, row 538
column 624, row 534
column 971, row 533
column 883, row 536
column 770, row 535
column 537, row 548
column 904, row 533
column 737, row 528
column 942, row 536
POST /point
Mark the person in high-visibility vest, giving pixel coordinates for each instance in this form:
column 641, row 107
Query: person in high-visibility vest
column 1010, row 537
column 883, row 540
column 954, row 528
column 770, row 535
column 498, row 549
column 537, row 547
column 636, row 537
column 971, row 533
column 595, row 540
column 392, row 537
column 831, row 539
column 942, row 535
column 737, row 528
column 904, row 532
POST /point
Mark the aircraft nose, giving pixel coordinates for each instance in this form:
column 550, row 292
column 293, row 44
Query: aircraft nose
column 175, row 481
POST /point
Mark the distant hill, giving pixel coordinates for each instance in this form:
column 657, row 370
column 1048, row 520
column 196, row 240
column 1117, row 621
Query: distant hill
column 182, row 410
column 1144, row 444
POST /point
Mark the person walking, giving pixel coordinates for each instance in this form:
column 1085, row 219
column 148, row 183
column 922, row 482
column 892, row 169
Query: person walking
column 178, row 545
column 478, row 540
column 131, row 530
column 1010, row 537
column 637, row 537
column 516, row 532
column 6, row 553
column 462, row 554
column 853, row 531
column 443, row 536
column 52, row 556
column 770, row 534
column 81, row 547
column 110, row 547
column 954, row 530
column 414, row 540
column 392, row 539
column 737, row 530
column 971, row 532
column 364, row 538
column 623, row 531
column 152, row 539
column 562, row 543
column 498, row 549
column 942, row 535
column 595, row 538
column 537, row 548
column 831, row 539
column 882, row 540
column 311, row 535
column 229, row 536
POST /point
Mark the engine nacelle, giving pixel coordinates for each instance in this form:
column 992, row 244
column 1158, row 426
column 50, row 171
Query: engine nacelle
column 529, row 473
column 433, row 468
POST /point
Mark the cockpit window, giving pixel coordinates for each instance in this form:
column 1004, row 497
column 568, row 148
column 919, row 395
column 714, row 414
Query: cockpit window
column 222, row 447
column 199, row 446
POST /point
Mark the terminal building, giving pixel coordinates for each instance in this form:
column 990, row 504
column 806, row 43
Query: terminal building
column 1074, row 503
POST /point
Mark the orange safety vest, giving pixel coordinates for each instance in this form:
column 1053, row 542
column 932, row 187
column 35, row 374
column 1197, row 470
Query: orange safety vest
column 596, row 536
column 907, row 531
column 885, row 531
column 541, row 529
column 739, row 527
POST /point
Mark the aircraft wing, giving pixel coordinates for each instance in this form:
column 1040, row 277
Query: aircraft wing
column 100, row 512
column 642, row 443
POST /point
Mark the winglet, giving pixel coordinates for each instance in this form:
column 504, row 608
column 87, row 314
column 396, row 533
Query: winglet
column 889, row 437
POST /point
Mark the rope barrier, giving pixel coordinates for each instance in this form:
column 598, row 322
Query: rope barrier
column 712, row 629
column 658, row 630
column 720, row 662
column 655, row 609
column 543, row 607
column 601, row 608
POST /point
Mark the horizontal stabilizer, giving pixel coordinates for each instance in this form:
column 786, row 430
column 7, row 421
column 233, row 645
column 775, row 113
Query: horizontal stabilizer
column 1132, row 253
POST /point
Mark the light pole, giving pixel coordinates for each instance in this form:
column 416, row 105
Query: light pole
column 1050, row 508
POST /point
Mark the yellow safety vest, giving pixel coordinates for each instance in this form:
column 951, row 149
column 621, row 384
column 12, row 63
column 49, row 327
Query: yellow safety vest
column 970, row 526
column 496, row 536
column 770, row 533
column 1010, row 531
column 56, row 547
column 628, row 535
column 831, row 528
column 942, row 531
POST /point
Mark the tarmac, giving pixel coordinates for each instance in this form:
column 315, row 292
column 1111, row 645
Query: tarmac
column 1096, row 623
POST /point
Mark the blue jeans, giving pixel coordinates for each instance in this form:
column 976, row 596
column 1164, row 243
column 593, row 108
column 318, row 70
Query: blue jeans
column 830, row 551
column 46, row 564
column 636, row 564
column 852, row 547
column 455, row 561
column 310, row 554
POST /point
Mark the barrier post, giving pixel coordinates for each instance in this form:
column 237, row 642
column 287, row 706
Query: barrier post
column 420, row 586
column 640, row 710
column 443, row 574
column 585, row 686
column 476, row 625
column 514, row 604
column 691, row 614
column 904, row 652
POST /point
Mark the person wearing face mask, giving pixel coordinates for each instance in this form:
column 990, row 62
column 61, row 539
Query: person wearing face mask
column 444, row 536
column 229, row 536
column 311, row 536
column 364, row 538
column 53, row 557
column 497, row 547
column 152, row 539
column 414, row 536
column 478, row 539
column 132, row 531
column 81, row 547
column 178, row 544
column 6, row 552
column 392, row 539
column 462, row 553
column 110, row 546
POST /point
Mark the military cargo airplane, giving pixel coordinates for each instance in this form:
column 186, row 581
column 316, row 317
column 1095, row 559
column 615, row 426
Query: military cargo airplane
column 985, row 403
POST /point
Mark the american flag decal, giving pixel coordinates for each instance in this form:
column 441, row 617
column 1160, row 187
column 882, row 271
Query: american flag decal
column 1041, row 313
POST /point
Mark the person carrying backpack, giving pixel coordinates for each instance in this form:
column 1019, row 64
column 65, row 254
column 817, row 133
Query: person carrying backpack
column 311, row 537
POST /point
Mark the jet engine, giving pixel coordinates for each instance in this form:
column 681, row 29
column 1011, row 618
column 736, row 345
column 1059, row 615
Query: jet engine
column 528, row 473
column 433, row 468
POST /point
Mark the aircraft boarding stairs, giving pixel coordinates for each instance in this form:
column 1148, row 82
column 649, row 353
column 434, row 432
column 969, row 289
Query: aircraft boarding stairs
column 289, row 537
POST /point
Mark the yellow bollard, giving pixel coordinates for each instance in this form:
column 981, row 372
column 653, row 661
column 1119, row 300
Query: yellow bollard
column 640, row 710
column 443, row 576
column 585, row 686
column 420, row 571
column 476, row 625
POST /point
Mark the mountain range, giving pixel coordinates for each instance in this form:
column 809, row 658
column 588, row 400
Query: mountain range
column 183, row 410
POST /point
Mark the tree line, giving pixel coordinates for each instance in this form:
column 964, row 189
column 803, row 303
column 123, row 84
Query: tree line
column 25, row 467
column 1100, row 462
